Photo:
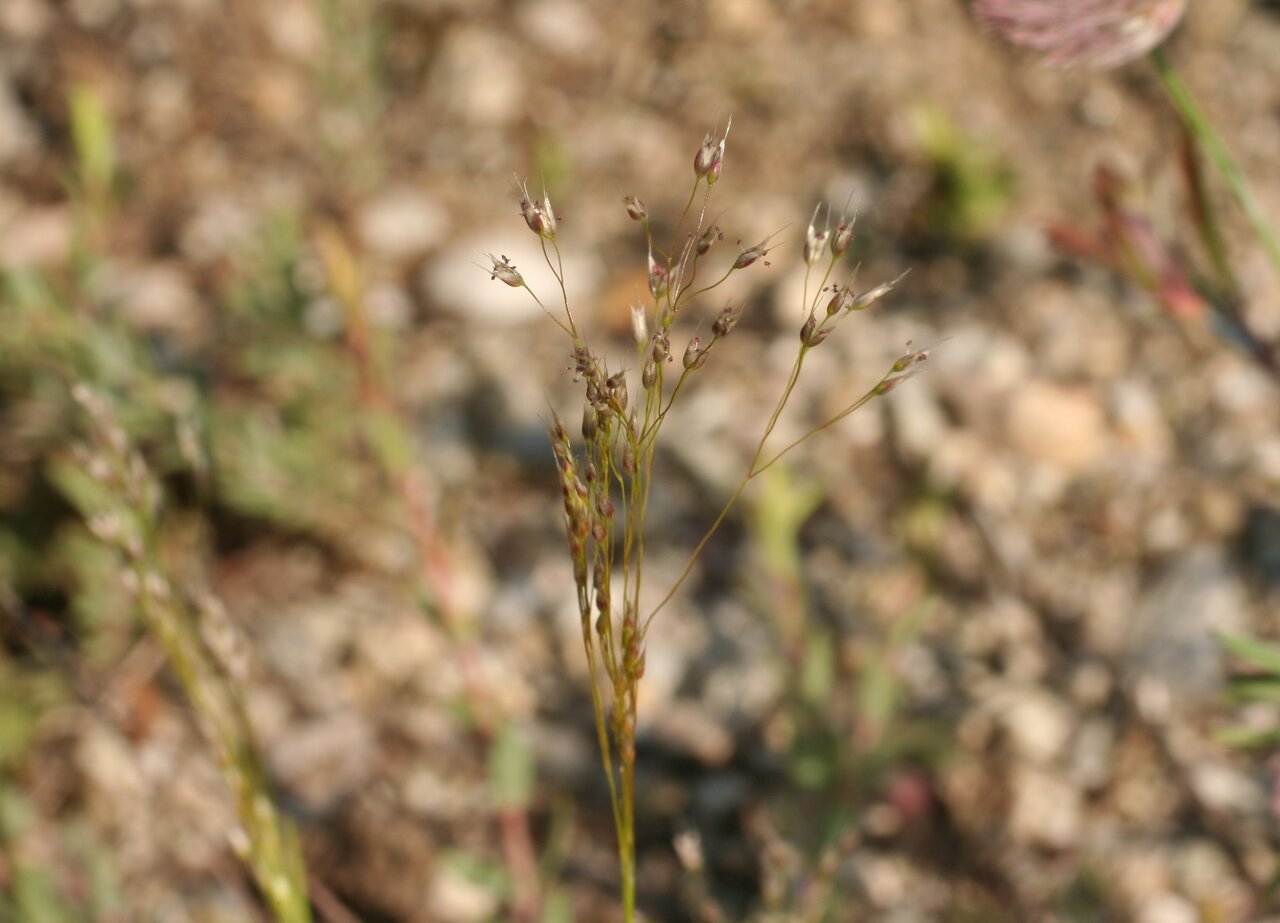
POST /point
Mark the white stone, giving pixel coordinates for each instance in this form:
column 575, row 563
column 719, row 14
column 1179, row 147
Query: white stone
column 563, row 27
column 1167, row 908
column 1056, row 426
column 36, row 237
column 402, row 222
column 1039, row 725
column 1047, row 811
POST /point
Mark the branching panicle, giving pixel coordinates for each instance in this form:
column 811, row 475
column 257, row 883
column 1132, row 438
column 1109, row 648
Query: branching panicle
column 606, row 484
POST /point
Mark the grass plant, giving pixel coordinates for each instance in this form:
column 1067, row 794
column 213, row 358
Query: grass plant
column 607, row 478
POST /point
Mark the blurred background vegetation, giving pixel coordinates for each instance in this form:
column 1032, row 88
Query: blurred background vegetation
column 959, row 662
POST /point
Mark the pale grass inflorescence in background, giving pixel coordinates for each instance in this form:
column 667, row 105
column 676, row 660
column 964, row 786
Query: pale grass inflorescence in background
column 122, row 503
column 606, row 479
column 1096, row 33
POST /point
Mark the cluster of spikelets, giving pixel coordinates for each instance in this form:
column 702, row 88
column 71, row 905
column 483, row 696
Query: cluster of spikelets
column 606, row 483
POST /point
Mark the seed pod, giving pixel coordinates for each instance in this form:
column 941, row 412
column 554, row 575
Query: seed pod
column 807, row 330
column 726, row 321
column 504, row 271
column 649, row 377
column 868, row 298
column 839, row 301
column 540, row 217
column 661, row 346
column 635, row 208
column 751, row 254
column 709, row 159
column 617, row 385
column 705, row 157
column 818, row 336
column 691, row 352
column 842, row 237
column 590, row 422
column 559, row 433
column 707, row 239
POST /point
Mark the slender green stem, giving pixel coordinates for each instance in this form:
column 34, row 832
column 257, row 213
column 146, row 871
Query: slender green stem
column 558, row 322
column 1204, row 132
column 724, row 511
column 817, row 429
column 693, row 557
column 559, row 274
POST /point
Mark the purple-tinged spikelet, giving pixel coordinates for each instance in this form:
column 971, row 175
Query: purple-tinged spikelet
column 1094, row 33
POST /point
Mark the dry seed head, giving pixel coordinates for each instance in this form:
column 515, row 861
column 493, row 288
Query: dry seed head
column 910, row 357
column 726, row 321
column 906, row 367
column 868, row 298
column 840, row 301
column 585, row 365
column 842, row 237
column 649, row 377
column 558, row 432
column 538, row 215
column 707, row 239
column 806, row 331
column 635, row 208
column 709, row 159
column 504, row 271
column 590, row 423
column 815, row 241
column 661, row 346
column 692, row 352
column 617, row 385
column 751, row 254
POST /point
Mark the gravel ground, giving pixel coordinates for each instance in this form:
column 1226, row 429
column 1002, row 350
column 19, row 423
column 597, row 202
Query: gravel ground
column 1030, row 546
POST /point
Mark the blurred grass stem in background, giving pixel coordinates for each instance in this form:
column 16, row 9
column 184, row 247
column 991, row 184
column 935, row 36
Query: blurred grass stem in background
column 1201, row 128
